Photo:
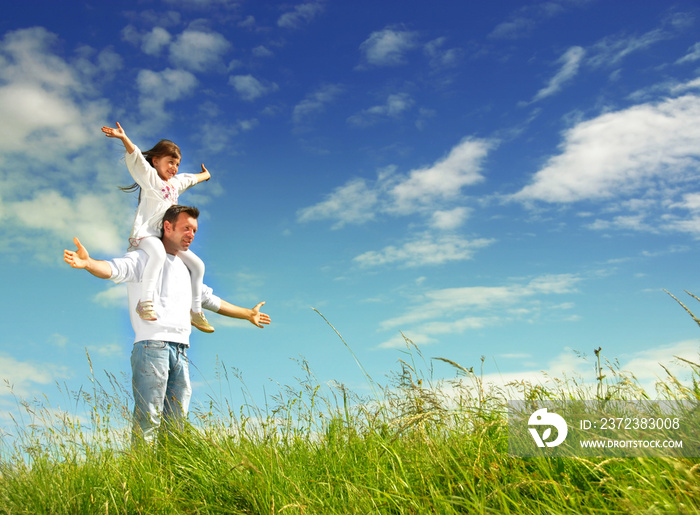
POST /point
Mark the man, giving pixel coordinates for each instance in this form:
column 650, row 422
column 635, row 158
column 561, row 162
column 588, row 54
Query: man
column 159, row 366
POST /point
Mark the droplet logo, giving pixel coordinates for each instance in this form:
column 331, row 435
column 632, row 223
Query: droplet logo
column 542, row 418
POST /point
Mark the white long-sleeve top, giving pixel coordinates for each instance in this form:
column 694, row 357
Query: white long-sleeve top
column 157, row 195
column 172, row 300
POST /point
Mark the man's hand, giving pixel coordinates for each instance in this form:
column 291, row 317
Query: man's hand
column 77, row 259
column 259, row 318
column 81, row 260
column 252, row 315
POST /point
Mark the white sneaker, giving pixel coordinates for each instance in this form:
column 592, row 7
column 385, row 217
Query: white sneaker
column 200, row 322
column 146, row 311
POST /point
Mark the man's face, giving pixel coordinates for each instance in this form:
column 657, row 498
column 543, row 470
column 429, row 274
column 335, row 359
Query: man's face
column 177, row 237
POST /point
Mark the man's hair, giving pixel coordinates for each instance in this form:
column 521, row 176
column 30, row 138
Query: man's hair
column 173, row 212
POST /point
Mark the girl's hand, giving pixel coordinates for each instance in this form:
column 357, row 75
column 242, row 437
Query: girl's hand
column 121, row 134
column 114, row 133
column 205, row 175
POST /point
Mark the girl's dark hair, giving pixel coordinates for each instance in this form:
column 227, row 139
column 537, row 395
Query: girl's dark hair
column 163, row 148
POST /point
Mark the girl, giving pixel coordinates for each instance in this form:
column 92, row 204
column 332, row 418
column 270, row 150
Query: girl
column 155, row 174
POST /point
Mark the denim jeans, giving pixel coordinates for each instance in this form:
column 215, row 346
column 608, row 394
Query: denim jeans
column 161, row 383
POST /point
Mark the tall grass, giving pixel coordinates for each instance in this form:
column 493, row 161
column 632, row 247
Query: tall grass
column 413, row 445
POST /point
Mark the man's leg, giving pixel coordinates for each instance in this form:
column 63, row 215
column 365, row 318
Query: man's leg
column 150, row 364
column 179, row 391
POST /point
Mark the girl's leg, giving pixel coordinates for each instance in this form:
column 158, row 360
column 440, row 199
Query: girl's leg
column 151, row 272
column 196, row 268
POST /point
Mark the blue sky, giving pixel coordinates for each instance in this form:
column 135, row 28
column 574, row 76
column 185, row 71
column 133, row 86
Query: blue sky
column 513, row 180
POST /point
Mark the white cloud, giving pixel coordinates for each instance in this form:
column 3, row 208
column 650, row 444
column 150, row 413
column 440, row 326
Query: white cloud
column 388, row 47
column 47, row 103
column 23, row 376
column 685, row 86
column 250, row 88
column 157, row 88
column 302, row 13
column 525, row 19
column 428, row 190
column 154, row 42
column 691, row 56
column 443, row 180
column 352, row 203
column 445, row 302
column 455, row 310
column 197, row 50
column 425, row 249
column 394, row 106
column 570, row 63
column 611, row 51
column 112, row 296
column 215, row 137
column 559, row 372
column 440, row 57
column 316, row 101
column 690, row 201
column 450, row 219
column 88, row 215
column 622, row 152
column 42, row 97
column 262, row 51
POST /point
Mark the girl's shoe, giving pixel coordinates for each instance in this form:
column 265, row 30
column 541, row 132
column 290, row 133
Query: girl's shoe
column 200, row 322
column 146, row 311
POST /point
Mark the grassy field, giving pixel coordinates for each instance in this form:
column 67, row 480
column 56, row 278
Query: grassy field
column 414, row 445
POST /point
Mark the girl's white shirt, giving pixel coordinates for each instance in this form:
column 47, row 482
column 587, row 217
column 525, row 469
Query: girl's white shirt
column 157, row 195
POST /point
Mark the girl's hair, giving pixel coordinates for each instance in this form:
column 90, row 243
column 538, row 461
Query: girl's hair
column 163, row 148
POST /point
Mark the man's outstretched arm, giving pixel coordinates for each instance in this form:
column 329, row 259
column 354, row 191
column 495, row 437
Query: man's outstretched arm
column 254, row 316
column 81, row 259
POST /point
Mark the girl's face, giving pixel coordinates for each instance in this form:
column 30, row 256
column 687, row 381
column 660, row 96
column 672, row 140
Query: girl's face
column 166, row 166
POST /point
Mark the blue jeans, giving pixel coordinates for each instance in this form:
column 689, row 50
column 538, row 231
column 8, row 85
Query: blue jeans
column 161, row 383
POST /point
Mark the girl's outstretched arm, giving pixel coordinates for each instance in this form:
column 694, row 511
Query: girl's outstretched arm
column 203, row 176
column 121, row 134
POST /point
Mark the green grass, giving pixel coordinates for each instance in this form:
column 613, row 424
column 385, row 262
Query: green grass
column 413, row 445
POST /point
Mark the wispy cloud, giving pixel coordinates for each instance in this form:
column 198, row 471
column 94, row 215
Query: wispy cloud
column 428, row 190
column 250, row 88
column 524, row 21
column 425, row 249
column 455, row 310
column 441, row 57
column 646, row 367
column 691, row 56
column 395, row 105
column 26, row 377
column 388, row 47
column 301, row 14
column 316, row 102
column 570, row 62
column 610, row 51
